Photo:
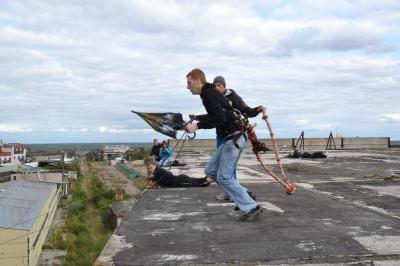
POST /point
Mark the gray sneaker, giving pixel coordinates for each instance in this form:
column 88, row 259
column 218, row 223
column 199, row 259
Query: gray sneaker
column 252, row 215
column 222, row 197
column 236, row 214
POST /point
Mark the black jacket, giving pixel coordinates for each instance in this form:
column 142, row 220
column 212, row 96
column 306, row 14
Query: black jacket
column 219, row 112
column 237, row 102
column 155, row 150
column 164, row 178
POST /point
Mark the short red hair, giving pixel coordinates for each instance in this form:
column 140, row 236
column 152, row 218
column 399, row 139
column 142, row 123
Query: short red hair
column 197, row 74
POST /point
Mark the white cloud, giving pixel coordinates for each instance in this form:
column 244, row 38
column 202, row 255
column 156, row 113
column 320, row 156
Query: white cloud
column 82, row 66
column 104, row 129
column 84, row 129
column 60, row 130
column 71, row 130
column 7, row 128
column 309, row 125
column 395, row 117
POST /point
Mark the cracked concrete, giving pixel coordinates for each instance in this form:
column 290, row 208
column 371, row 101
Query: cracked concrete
column 345, row 212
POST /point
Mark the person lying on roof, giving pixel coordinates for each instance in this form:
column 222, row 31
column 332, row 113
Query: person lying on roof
column 164, row 178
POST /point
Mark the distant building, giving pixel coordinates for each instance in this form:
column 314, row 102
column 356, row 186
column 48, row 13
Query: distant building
column 5, row 158
column 117, row 160
column 26, row 213
column 12, row 153
column 117, row 212
column 111, row 152
column 58, row 178
column 6, row 171
column 118, row 209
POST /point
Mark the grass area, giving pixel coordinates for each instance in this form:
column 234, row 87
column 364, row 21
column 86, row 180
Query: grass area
column 140, row 183
column 117, row 181
column 87, row 226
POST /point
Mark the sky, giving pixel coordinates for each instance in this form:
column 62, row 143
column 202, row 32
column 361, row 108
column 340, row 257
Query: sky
column 71, row 71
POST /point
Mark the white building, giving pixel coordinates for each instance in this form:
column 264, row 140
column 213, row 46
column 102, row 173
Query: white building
column 12, row 153
column 110, row 152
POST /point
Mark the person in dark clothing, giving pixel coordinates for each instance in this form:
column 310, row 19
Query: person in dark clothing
column 237, row 103
column 234, row 99
column 155, row 150
column 224, row 160
column 165, row 178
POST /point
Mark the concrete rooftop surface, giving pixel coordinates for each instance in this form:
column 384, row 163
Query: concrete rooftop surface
column 345, row 211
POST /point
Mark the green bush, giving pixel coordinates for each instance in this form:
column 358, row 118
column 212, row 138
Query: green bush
column 103, row 202
column 77, row 191
column 92, row 156
column 62, row 204
column 84, row 242
column 97, row 186
column 76, row 208
column 80, row 194
column 84, row 250
column 106, row 219
column 77, row 258
column 59, row 241
column 75, row 225
column 75, row 167
column 110, row 194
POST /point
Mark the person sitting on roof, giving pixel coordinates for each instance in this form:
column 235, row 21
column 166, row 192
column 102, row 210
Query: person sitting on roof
column 165, row 155
column 164, row 178
column 155, row 150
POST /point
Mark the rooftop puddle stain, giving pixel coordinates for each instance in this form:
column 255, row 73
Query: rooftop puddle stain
column 170, row 257
column 202, row 227
column 384, row 227
column 307, row 246
column 304, row 185
column 265, row 204
column 385, row 190
column 382, row 245
column 271, row 207
column 177, row 200
column 158, row 232
column 169, row 216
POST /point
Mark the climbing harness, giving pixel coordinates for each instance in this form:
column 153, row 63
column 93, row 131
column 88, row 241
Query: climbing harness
column 243, row 124
column 241, row 121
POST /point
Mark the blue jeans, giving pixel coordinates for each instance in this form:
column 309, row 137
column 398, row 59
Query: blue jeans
column 220, row 168
column 164, row 162
column 219, row 143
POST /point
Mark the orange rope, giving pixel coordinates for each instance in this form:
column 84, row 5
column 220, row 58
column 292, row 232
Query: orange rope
column 259, row 146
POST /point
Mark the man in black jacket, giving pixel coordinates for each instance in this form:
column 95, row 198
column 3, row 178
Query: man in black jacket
column 155, row 150
column 224, row 160
column 236, row 102
column 234, row 99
